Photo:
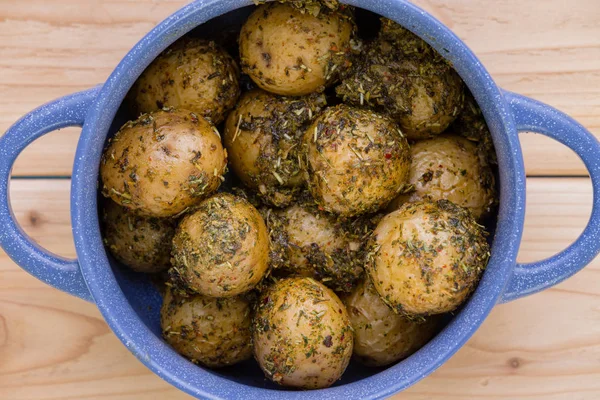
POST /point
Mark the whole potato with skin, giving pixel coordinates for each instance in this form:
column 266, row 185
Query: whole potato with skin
column 355, row 161
column 193, row 74
column 382, row 337
column 294, row 53
column 222, row 249
column 449, row 167
column 213, row 332
column 427, row 257
column 262, row 137
column 141, row 243
column 301, row 333
column 307, row 242
column 434, row 99
column 401, row 75
column 163, row 163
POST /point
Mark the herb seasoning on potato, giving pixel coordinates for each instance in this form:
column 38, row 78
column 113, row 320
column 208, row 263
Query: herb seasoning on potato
column 313, row 7
column 222, row 249
column 427, row 257
column 163, row 163
column 449, row 167
column 471, row 125
column 262, row 137
column 141, row 243
column 309, row 242
column 404, row 77
column 294, row 53
column 301, row 333
column 355, row 161
column 212, row 332
column 193, row 74
column 382, row 337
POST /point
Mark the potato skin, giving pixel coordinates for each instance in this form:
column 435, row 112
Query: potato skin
column 401, row 75
column 427, row 257
column 192, row 74
column 301, row 333
column 222, row 249
column 382, row 337
column 449, row 167
column 163, row 163
column 355, row 161
column 262, row 137
column 141, row 243
column 291, row 53
column 308, row 242
column 212, row 332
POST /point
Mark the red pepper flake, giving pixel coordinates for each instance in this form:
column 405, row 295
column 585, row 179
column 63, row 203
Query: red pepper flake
column 334, row 48
column 388, row 156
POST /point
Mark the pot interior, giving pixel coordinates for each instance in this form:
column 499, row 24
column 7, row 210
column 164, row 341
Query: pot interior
column 143, row 291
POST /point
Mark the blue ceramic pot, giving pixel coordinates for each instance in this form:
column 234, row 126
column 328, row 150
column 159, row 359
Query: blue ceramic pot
column 130, row 304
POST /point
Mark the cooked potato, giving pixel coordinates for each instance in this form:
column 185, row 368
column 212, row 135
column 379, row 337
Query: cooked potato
column 163, row 163
column 382, row 337
column 192, row 74
column 222, row 249
column 355, row 161
column 403, row 76
column 449, row 167
column 427, row 257
column 209, row 331
column 291, row 53
column 302, row 335
column 307, row 242
column 141, row 243
column 262, row 137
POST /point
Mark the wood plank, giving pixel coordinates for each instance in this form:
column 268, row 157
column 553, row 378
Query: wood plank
column 543, row 347
column 52, row 48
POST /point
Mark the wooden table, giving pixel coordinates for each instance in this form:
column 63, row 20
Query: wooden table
column 547, row 346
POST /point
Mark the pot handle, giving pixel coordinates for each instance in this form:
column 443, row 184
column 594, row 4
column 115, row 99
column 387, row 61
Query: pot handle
column 56, row 271
column 533, row 116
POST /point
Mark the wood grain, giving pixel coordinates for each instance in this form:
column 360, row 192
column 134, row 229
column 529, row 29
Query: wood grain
column 50, row 48
column 547, row 346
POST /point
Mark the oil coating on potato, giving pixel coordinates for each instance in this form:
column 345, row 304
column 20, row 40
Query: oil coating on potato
column 163, row 163
column 355, row 161
column 403, row 76
column 382, row 337
column 427, row 257
column 308, row 242
column 291, row 53
column 301, row 333
column 212, row 332
column 449, row 167
column 222, row 249
column 193, row 74
column 262, row 137
column 141, row 243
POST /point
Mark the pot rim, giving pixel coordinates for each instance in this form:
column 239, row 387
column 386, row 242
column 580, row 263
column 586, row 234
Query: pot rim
column 164, row 361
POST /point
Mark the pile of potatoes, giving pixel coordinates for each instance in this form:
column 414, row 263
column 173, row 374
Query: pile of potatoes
column 360, row 183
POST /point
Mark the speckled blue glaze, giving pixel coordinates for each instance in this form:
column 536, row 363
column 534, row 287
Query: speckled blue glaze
column 130, row 304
